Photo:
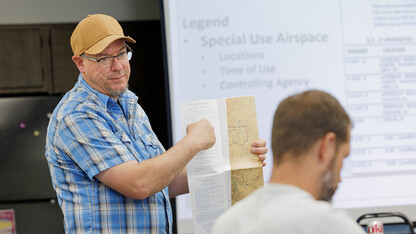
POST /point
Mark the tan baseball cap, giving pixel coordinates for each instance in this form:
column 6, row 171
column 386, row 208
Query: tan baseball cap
column 94, row 33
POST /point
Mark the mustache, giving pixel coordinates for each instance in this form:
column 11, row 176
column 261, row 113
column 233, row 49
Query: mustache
column 112, row 76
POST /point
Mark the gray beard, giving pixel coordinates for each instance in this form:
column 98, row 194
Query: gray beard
column 117, row 93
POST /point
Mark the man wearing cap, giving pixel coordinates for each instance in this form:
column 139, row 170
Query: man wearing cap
column 110, row 172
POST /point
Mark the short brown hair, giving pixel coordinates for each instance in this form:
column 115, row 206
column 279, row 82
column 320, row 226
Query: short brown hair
column 302, row 119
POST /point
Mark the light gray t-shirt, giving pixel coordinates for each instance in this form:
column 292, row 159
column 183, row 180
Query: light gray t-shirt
column 284, row 209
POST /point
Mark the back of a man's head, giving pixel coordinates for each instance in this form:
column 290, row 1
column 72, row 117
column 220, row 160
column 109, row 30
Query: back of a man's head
column 302, row 119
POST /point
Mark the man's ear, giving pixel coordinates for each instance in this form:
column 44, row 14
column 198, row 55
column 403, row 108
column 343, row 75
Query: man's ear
column 327, row 149
column 79, row 62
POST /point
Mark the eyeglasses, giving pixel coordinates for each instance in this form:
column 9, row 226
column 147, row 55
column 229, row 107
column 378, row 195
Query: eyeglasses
column 108, row 61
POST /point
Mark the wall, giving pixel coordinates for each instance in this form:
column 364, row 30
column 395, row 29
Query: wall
column 64, row 11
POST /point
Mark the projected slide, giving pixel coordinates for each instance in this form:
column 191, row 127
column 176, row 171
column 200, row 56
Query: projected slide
column 362, row 52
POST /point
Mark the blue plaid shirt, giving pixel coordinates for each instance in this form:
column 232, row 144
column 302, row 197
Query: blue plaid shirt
column 88, row 133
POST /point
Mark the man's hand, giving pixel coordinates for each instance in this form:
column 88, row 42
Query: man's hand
column 259, row 148
column 202, row 133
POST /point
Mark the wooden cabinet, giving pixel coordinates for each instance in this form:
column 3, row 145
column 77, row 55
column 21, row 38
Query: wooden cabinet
column 64, row 71
column 23, row 60
column 36, row 59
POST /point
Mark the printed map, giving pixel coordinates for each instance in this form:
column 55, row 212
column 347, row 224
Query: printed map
column 246, row 169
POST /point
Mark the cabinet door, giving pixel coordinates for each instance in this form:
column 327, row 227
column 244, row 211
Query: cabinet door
column 64, row 71
column 43, row 216
column 22, row 60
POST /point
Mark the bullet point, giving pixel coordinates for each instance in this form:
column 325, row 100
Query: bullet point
column 185, row 41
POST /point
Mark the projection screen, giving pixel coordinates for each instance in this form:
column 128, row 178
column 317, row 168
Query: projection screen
column 362, row 52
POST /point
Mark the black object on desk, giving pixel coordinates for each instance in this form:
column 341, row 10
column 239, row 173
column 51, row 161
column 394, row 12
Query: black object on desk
column 404, row 227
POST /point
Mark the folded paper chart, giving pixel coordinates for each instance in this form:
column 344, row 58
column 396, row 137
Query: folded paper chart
column 226, row 173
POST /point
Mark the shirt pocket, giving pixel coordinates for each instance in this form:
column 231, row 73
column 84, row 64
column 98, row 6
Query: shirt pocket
column 150, row 140
column 150, row 147
column 128, row 143
column 148, row 137
column 123, row 137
